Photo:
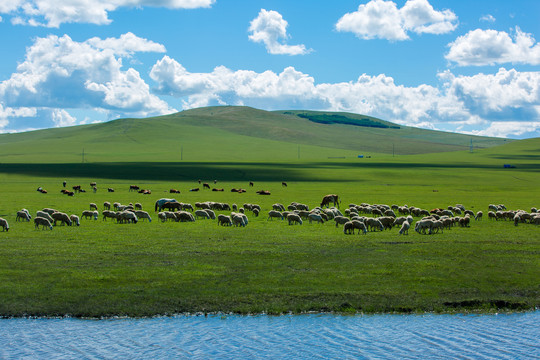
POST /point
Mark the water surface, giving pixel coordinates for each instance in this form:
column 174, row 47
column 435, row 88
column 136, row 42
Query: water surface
column 322, row 336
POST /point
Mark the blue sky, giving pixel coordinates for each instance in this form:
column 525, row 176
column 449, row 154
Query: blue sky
column 463, row 66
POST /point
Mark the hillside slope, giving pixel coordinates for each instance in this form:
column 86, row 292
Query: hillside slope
column 231, row 134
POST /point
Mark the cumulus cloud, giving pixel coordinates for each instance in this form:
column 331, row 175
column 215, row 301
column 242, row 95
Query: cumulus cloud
column 489, row 47
column 459, row 101
column 270, row 28
column 60, row 73
column 53, row 13
column 380, row 19
column 62, row 118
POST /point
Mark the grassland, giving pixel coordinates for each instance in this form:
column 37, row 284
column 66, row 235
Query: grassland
column 102, row 268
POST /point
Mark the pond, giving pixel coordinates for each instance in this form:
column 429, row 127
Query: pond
column 502, row 336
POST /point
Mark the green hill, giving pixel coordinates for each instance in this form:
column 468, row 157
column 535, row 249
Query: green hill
column 231, row 134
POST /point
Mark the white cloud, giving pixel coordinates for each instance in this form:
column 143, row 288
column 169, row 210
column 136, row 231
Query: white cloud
column 270, row 28
column 460, row 102
column 489, row 47
column 488, row 18
column 53, row 13
column 515, row 129
column 61, row 73
column 383, row 20
column 62, row 118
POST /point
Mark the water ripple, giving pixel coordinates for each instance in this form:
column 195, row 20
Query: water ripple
column 510, row 336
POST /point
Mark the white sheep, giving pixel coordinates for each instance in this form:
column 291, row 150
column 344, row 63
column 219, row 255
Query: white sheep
column 340, row 220
column 38, row 220
column 128, row 217
column 224, row 220
column 143, row 215
column 404, row 228
column 49, row 211
column 45, row 215
column 201, row 214
column 89, row 214
column 75, row 219
column 184, row 216
column 374, row 224
column 24, row 215
column 63, row 217
column 274, row 214
column 211, row 214
column 478, row 216
column 315, row 217
column 294, row 219
column 4, row 224
column 93, row 206
column 238, row 220
column 360, row 226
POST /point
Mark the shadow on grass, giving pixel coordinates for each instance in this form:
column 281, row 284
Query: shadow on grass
column 230, row 171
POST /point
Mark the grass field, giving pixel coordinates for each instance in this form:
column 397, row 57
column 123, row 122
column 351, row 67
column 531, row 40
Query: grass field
column 103, row 269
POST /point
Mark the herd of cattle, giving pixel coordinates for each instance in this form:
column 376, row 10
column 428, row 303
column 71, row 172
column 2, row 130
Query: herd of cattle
column 362, row 218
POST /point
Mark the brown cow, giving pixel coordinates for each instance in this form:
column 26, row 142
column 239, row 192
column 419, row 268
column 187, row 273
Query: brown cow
column 331, row 198
column 174, row 191
column 263, row 192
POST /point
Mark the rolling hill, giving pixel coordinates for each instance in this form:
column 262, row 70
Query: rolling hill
column 231, row 133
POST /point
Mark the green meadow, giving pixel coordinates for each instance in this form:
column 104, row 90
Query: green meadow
column 152, row 268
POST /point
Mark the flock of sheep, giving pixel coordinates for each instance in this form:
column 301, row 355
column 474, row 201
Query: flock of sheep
column 362, row 218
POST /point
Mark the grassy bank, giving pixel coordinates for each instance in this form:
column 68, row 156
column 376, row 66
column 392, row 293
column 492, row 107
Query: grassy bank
column 103, row 268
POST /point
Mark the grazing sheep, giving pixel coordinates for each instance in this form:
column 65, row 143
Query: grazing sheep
column 45, row 215
column 404, row 228
column 21, row 214
column 184, row 216
column 464, row 221
column 107, row 205
column 360, row 226
column 128, row 217
column 478, row 216
column 109, row 214
column 238, row 220
column 62, row 217
column 49, row 211
column 75, row 219
column 294, row 219
column 143, row 215
column 138, row 206
column 437, row 225
column 423, row 225
column 90, row 214
column 517, row 219
column 374, row 224
column 201, row 213
column 93, row 206
column 340, row 220
column 274, row 214
column 110, row 190
column 224, row 220
column 348, row 228
column 43, row 222
column 315, row 217
column 4, row 224
column 211, row 214
column 162, row 216
column 278, row 207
